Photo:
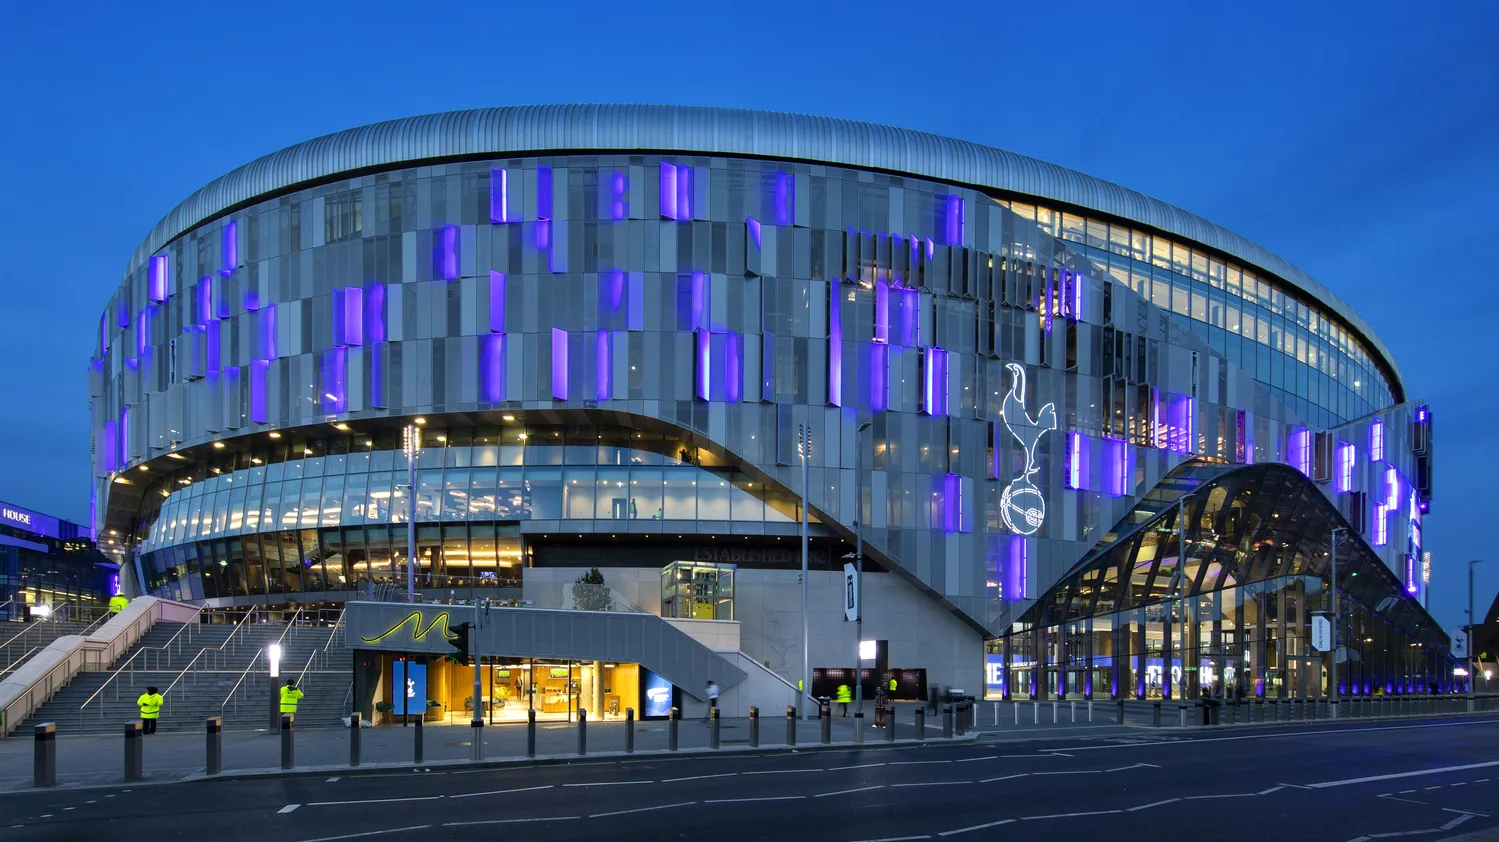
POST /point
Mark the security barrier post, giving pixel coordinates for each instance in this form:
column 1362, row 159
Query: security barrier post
column 215, row 747
column 44, row 756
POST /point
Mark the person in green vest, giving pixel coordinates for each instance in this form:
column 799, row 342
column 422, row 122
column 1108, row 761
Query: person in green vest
column 150, row 705
column 844, row 696
column 893, row 684
column 117, row 603
column 289, row 696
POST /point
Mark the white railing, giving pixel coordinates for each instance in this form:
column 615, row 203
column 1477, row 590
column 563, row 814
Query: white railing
column 254, row 659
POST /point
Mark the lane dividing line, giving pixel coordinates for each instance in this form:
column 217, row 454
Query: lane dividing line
column 1394, row 776
column 1465, row 812
column 917, row 762
column 1455, row 822
column 501, row 791
column 374, row 801
column 641, row 810
column 783, row 771
column 1271, row 789
column 971, row 759
column 700, row 777
column 1152, row 804
column 1134, row 766
column 368, row 833
column 610, row 783
column 1004, row 778
column 1406, row 800
column 744, row 800
column 513, row 821
column 1274, row 736
column 287, row 809
column 1069, row 815
column 859, row 766
column 848, row 792
column 898, row 838
column 976, row 827
column 1225, row 795
column 1076, row 772
column 935, row 783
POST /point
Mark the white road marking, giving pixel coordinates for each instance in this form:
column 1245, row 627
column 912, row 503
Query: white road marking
column 783, row 771
column 1406, row 800
column 332, row 779
column 1430, row 788
column 916, row 762
column 1069, row 815
column 1271, row 789
column 611, row 783
column 1460, row 783
column 936, row 783
column 847, row 791
column 288, row 808
column 368, row 833
column 1225, row 795
column 1275, row 736
column 1076, row 772
column 1465, row 812
column 1151, row 804
column 971, row 759
column 881, row 839
column 976, row 827
column 1004, row 778
column 766, row 798
column 642, row 810
column 859, row 766
column 1134, row 766
column 373, row 801
column 700, row 777
column 1455, row 822
column 500, row 791
column 1049, row 754
column 513, row 821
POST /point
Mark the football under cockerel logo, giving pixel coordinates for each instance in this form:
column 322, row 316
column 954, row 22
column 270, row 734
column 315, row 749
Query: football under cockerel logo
column 1023, row 506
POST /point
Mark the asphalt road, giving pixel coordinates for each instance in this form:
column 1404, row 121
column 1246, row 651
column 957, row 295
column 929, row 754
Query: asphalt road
column 1335, row 782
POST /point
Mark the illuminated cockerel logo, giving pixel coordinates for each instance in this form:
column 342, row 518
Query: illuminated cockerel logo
column 1023, row 505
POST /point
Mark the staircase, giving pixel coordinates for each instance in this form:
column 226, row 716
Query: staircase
column 19, row 641
column 207, row 670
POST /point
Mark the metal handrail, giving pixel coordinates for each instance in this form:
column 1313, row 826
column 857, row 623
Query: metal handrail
column 17, row 662
column 254, row 659
column 239, row 627
column 323, row 652
column 197, row 617
column 51, row 618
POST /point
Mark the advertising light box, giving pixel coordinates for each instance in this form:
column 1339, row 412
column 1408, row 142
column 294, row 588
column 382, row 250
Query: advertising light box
column 415, row 698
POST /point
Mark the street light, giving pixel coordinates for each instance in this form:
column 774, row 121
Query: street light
column 1472, row 626
column 859, row 570
column 804, row 448
column 273, row 669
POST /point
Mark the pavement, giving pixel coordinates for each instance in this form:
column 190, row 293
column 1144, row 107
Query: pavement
column 1346, row 781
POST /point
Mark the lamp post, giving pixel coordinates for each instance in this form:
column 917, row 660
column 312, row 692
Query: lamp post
column 804, row 446
column 273, row 665
column 413, row 446
column 1472, row 628
column 1332, row 582
column 859, row 569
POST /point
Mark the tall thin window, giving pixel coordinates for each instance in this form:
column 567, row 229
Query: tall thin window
column 1376, row 441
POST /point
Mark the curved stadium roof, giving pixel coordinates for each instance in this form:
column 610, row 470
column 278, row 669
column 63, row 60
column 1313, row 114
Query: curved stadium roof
column 538, row 129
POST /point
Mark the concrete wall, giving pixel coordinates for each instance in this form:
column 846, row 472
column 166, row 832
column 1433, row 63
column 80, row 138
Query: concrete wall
column 767, row 607
column 718, row 635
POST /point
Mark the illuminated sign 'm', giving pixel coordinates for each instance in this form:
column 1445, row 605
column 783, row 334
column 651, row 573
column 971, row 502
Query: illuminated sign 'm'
column 1023, row 506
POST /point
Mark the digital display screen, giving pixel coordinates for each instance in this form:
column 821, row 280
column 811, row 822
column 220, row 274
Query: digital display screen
column 414, row 700
column 558, row 672
column 994, row 678
column 655, row 693
column 502, row 673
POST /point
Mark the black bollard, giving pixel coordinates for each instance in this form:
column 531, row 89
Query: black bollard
column 215, row 748
column 629, row 730
column 531, row 733
column 947, row 723
column 354, row 735
column 1119, row 713
column 890, row 725
column 713, row 728
column 754, row 727
column 416, row 742
column 134, row 763
column 582, row 731
column 1155, row 714
column 44, row 756
column 790, row 725
column 825, row 713
column 859, row 727
column 671, row 729
column 921, row 724
column 288, row 749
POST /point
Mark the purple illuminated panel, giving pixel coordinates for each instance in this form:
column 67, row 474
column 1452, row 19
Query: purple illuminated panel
column 1376, row 441
column 497, row 288
column 734, row 367
column 668, row 190
column 109, row 458
column 1074, row 454
column 1300, row 447
column 835, row 345
column 29, row 521
column 1017, row 578
column 348, row 316
column 702, row 367
column 159, row 274
column 611, row 292
column 374, row 313
column 619, row 196
column 701, row 308
column 445, row 252
column 1116, row 472
column 143, row 331
column 934, row 381
column 785, row 199
column 879, row 366
column 1412, row 574
column 203, row 311
column 1391, row 489
column 604, row 367
column 952, row 503
column 881, row 313
column 953, row 219
column 229, row 248
column 333, row 394
column 258, row 370
column 492, row 367
column 559, row 364
column 499, row 196
column 1344, row 464
column 1182, row 415
column 1381, row 536
column 754, row 230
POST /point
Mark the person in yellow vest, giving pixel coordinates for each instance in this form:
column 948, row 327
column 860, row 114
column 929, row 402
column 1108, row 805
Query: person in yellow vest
column 117, row 603
column 893, row 685
column 289, row 696
column 150, row 705
column 844, row 696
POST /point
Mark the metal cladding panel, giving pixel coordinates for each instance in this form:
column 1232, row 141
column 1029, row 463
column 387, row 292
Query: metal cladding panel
column 689, row 129
column 536, row 633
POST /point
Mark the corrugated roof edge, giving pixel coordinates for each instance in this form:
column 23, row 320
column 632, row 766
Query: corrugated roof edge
column 531, row 129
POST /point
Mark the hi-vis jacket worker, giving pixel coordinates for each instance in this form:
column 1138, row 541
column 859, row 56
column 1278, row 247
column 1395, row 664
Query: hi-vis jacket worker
column 289, row 696
column 117, row 603
column 893, row 685
column 150, row 705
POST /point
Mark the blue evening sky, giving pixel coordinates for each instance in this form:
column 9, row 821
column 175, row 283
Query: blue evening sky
column 1357, row 140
